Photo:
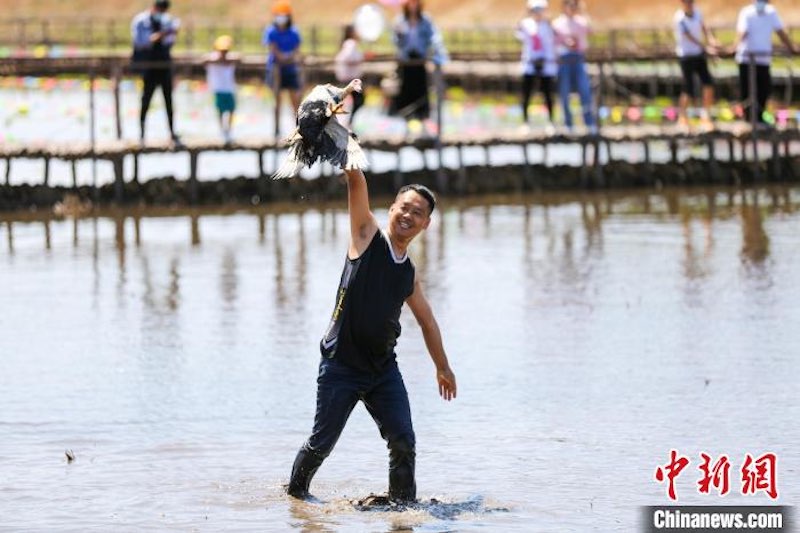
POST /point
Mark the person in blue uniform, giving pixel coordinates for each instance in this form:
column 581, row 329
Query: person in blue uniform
column 358, row 360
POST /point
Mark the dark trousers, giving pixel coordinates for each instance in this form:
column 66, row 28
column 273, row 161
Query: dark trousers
column 763, row 89
column 154, row 78
column 339, row 388
column 545, row 85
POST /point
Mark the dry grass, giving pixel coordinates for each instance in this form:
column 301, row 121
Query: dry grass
column 605, row 13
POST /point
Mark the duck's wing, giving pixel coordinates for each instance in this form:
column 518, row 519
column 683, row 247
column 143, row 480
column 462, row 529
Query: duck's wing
column 293, row 164
column 356, row 158
column 337, row 133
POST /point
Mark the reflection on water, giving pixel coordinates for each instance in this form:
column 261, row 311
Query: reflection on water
column 591, row 333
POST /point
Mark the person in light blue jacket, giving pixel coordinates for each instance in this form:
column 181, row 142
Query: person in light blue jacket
column 153, row 33
column 416, row 38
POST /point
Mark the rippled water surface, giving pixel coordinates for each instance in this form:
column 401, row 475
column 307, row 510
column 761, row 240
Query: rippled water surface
column 175, row 355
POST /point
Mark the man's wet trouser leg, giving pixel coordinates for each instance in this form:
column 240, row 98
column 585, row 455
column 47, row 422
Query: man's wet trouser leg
column 388, row 404
column 337, row 395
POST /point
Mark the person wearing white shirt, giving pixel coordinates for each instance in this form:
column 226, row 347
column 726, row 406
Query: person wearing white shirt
column 349, row 65
column 221, row 80
column 538, row 57
column 754, row 29
column 691, row 38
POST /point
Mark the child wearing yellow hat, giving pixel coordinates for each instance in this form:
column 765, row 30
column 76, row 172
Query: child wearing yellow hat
column 221, row 79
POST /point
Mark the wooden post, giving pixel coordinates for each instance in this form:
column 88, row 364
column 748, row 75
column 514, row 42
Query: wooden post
column 74, row 165
column 584, row 159
column 731, row 150
column 673, row 150
column 648, row 162
column 438, row 79
column 92, row 133
column 276, row 91
column 135, row 167
column 713, row 167
column 260, row 156
column 8, row 171
column 527, row 182
column 193, row 156
column 775, row 164
column 119, row 178
column 599, row 176
column 754, row 116
column 601, row 94
column 116, row 75
column 462, row 171
column 46, row 171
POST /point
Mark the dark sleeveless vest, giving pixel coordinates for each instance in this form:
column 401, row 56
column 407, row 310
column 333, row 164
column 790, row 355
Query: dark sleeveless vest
column 365, row 324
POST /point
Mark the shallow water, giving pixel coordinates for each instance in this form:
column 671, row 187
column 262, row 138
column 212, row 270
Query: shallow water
column 175, row 354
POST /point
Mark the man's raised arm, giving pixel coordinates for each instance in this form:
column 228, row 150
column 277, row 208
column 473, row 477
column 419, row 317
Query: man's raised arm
column 362, row 222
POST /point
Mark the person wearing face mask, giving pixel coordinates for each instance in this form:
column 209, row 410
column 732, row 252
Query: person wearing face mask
column 538, row 58
column 154, row 32
column 754, row 29
column 283, row 40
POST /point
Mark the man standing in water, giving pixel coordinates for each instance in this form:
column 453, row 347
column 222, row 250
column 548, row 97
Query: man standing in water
column 358, row 358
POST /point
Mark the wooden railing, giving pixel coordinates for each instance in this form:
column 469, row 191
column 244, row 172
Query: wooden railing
column 492, row 42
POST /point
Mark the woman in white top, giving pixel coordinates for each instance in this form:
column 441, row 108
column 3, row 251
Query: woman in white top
column 538, row 56
column 691, row 36
column 221, row 79
column 349, row 65
column 754, row 30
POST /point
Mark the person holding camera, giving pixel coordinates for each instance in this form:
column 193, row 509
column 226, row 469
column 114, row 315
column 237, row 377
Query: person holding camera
column 154, row 32
column 538, row 58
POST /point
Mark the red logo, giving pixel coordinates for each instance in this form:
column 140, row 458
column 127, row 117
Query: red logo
column 758, row 475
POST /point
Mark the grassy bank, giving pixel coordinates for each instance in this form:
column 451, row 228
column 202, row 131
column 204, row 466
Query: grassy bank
column 448, row 13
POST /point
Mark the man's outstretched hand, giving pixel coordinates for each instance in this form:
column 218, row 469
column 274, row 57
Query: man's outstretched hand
column 447, row 383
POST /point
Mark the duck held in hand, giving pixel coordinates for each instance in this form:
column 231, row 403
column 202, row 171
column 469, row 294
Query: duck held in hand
column 319, row 136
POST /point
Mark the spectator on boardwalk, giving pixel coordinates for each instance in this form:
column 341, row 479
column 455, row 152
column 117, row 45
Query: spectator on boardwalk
column 415, row 37
column 692, row 40
column 538, row 57
column 221, row 79
column 572, row 40
column 283, row 40
column 154, row 33
column 754, row 30
column 350, row 66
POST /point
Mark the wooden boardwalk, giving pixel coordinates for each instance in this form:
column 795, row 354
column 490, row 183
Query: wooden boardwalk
column 728, row 144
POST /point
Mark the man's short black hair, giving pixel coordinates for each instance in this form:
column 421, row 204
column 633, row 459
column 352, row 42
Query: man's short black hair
column 422, row 191
column 162, row 4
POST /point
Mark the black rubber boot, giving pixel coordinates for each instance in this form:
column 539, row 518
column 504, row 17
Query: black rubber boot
column 305, row 466
column 402, row 486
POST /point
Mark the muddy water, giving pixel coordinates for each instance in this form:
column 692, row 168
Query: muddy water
column 175, row 354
